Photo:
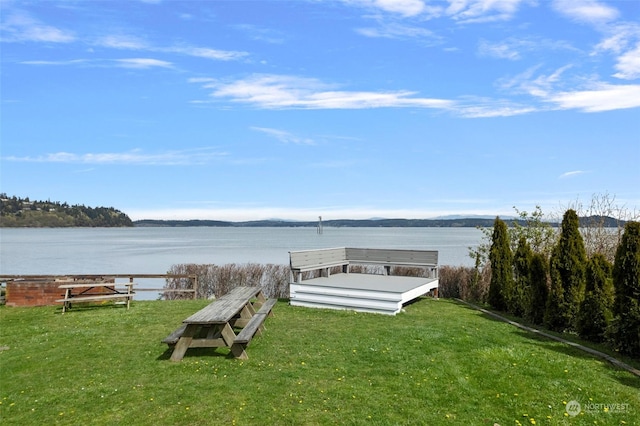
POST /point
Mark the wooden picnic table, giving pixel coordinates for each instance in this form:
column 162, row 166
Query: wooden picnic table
column 213, row 326
column 76, row 292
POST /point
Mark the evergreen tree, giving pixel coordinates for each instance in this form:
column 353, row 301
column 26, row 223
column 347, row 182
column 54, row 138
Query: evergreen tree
column 521, row 295
column 625, row 329
column 567, row 272
column 595, row 310
column 539, row 288
column 500, row 258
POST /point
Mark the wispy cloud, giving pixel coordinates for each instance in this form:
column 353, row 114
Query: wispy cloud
column 19, row 26
column 137, row 63
column 395, row 30
column 134, row 157
column 259, row 33
column 143, row 63
column 589, row 11
column 586, row 96
column 121, row 41
column 628, row 64
column 602, row 97
column 284, row 136
column 513, row 48
column 129, row 42
column 270, row 91
column 479, row 11
column 571, row 174
column 57, row 63
column 290, row 92
column 404, row 8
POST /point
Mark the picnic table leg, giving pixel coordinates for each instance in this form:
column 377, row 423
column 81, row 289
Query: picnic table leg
column 229, row 336
column 184, row 342
column 67, row 293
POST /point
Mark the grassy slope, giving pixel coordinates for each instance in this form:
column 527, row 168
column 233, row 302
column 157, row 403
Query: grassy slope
column 437, row 363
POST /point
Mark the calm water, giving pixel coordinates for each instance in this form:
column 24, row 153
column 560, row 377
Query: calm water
column 154, row 250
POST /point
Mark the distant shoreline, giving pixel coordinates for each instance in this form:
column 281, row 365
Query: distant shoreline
column 607, row 222
column 361, row 223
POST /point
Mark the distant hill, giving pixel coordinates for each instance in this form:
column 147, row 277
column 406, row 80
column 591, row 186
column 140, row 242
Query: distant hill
column 461, row 222
column 338, row 223
column 23, row 213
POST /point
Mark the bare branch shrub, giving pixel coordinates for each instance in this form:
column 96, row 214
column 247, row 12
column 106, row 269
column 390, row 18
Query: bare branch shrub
column 464, row 282
column 600, row 235
column 215, row 280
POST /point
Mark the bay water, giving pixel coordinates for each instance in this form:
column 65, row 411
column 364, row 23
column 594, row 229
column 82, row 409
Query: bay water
column 153, row 250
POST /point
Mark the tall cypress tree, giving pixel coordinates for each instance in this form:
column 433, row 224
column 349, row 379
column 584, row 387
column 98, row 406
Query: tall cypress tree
column 595, row 310
column 539, row 288
column 626, row 280
column 500, row 257
column 521, row 295
column 567, row 272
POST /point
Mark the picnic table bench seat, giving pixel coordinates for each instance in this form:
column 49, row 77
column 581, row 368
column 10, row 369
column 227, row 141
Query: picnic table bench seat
column 254, row 326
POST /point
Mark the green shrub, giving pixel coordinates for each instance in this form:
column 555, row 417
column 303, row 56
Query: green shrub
column 595, row 310
column 567, row 272
column 539, row 288
column 500, row 259
column 625, row 329
column 520, row 297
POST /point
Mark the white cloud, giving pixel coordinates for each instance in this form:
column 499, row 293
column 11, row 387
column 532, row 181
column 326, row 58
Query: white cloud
column 284, row 136
column 402, row 7
column 628, row 65
column 602, row 97
column 477, row 11
column 571, row 174
column 69, row 62
column 589, row 11
column 206, row 53
column 21, row 27
column 281, row 91
column 127, row 42
column 169, row 158
column 143, row 63
column 502, row 50
column 395, row 30
column 122, row 42
column 516, row 48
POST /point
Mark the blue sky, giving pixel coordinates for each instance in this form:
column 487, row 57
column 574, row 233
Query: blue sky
column 240, row 110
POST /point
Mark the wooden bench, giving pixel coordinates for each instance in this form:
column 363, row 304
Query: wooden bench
column 85, row 296
column 213, row 325
column 254, row 326
column 173, row 338
column 381, row 293
column 326, row 259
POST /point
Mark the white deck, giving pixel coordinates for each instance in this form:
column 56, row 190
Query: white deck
column 361, row 292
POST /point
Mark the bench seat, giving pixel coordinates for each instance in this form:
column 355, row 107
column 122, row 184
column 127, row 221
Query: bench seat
column 255, row 323
column 97, row 298
column 173, row 338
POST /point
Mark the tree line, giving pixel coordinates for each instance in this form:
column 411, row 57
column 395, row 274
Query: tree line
column 554, row 281
column 23, row 212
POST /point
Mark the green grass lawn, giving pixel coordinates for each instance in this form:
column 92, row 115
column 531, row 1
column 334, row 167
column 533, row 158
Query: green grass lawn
column 438, row 363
